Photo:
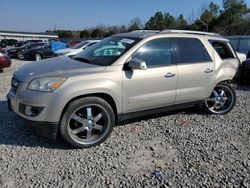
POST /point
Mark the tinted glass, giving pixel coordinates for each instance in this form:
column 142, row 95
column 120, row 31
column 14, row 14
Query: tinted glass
column 222, row 49
column 155, row 53
column 107, row 51
column 189, row 50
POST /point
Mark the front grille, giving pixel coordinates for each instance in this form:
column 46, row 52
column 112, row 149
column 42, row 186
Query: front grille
column 14, row 85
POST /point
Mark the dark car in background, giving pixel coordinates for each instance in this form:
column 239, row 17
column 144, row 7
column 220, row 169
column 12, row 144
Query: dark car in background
column 9, row 42
column 244, row 75
column 14, row 52
column 38, row 53
column 21, row 43
column 4, row 61
column 241, row 44
column 2, row 44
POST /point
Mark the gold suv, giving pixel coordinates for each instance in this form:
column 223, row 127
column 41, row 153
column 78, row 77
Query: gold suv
column 124, row 76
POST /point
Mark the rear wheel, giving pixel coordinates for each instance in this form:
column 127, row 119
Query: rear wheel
column 222, row 100
column 38, row 56
column 87, row 122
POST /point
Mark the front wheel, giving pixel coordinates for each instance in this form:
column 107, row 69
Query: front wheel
column 222, row 100
column 87, row 122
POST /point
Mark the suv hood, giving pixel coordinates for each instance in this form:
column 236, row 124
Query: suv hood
column 59, row 66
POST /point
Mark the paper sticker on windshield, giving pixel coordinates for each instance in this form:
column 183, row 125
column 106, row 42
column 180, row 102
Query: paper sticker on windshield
column 128, row 41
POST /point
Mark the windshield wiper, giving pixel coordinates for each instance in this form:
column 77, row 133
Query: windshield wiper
column 82, row 59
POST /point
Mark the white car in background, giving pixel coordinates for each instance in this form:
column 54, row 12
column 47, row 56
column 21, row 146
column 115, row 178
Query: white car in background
column 77, row 49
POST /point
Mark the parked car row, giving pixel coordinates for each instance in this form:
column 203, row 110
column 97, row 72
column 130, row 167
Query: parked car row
column 77, row 49
column 37, row 50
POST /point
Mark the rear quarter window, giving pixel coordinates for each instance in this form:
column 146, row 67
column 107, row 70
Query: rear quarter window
column 223, row 50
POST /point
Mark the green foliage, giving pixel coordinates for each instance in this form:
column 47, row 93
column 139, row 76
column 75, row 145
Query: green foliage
column 181, row 23
column 135, row 24
column 161, row 21
column 85, row 34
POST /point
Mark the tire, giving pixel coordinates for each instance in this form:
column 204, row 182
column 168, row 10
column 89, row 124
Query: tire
column 222, row 100
column 87, row 122
column 20, row 56
column 37, row 56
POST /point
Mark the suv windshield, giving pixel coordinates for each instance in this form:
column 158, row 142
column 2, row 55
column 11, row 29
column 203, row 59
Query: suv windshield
column 106, row 52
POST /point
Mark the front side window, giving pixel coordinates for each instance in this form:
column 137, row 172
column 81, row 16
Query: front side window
column 155, row 53
column 222, row 49
column 107, row 51
column 190, row 50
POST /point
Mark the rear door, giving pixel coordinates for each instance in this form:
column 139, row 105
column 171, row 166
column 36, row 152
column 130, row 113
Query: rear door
column 195, row 68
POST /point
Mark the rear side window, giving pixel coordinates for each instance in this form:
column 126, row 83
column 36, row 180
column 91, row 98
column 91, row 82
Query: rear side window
column 190, row 50
column 156, row 53
column 222, row 49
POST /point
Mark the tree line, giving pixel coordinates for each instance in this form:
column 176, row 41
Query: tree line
column 233, row 18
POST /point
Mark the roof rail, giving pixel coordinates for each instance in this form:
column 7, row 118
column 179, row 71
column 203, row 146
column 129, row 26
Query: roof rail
column 146, row 31
column 191, row 32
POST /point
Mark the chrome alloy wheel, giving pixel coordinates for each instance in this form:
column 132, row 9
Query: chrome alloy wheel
column 88, row 124
column 221, row 100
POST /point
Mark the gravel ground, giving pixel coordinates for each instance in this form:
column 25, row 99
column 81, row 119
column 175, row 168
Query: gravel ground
column 185, row 148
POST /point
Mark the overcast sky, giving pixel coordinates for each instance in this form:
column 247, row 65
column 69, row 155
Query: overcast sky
column 40, row 15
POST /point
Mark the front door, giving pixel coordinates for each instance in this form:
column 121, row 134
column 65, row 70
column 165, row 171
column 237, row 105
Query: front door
column 154, row 87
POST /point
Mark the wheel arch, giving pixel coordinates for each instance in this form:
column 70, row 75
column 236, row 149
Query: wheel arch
column 108, row 98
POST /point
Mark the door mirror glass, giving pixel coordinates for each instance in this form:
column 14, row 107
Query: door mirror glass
column 137, row 64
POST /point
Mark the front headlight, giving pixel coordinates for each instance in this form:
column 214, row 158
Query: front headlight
column 46, row 84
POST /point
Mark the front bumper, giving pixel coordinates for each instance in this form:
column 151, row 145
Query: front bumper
column 45, row 129
column 46, row 121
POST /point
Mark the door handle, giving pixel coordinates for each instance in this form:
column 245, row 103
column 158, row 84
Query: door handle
column 169, row 75
column 208, row 70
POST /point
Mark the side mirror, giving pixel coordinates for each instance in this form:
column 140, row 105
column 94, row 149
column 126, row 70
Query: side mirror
column 137, row 64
